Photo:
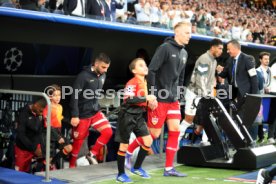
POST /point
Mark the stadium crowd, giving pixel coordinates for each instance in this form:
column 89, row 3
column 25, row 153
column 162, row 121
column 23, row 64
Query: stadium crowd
column 243, row 20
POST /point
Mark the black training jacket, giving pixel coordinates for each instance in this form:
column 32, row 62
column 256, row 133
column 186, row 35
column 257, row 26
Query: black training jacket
column 29, row 130
column 167, row 70
column 86, row 90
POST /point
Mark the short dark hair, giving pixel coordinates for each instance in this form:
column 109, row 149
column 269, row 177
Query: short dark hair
column 102, row 57
column 216, row 42
column 262, row 54
column 235, row 43
column 53, row 88
column 132, row 64
column 41, row 102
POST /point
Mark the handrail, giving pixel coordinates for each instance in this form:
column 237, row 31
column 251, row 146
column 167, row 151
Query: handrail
column 48, row 134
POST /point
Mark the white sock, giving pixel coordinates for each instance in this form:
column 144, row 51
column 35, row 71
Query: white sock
column 183, row 127
column 168, row 168
column 204, row 137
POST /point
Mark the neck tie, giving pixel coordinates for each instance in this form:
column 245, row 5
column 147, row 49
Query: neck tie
column 234, row 72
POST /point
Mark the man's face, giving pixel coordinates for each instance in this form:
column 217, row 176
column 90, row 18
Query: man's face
column 232, row 50
column 37, row 109
column 265, row 60
column 183, row 34
column 101, row 67
column 217, row 50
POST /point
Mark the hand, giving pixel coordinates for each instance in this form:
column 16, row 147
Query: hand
column 75, row 121
column 38, row 151
column 219, row 68
column 152, row 104
column 150, row 97
column 61, row 141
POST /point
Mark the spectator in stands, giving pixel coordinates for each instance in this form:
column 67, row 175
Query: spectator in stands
column 132, row 118
column 164, row 18
column 166, row 73
column 249, row 38
column 28, row 138
column 236, row 31
column 246, row 31
column 9, row 3
column 56, row 6
column 202, row 83
column 70, row 5
column 258, row 35
column 107, row 10
column 85, row 110
column 110, row 7
column 201, row 22
column 142, row 10
column 116, row 4
column 58, row 141
column 95, row 9
column 28, row 4
column 155, row 13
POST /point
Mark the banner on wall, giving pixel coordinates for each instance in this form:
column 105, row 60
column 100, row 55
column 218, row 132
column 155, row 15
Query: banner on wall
column 38, row 59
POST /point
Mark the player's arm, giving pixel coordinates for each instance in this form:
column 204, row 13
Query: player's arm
column 21, row 133
column 77, row 90
column 156, row 62
column 250, row 67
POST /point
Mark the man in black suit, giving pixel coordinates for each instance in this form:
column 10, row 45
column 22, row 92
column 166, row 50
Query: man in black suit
column 240, row 72
column 95, row 9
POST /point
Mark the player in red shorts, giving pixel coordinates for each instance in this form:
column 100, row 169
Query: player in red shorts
column 85, row 109
column 166, row 73
column 28, row 137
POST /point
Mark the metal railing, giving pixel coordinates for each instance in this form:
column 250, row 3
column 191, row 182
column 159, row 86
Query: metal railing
column 48, row 134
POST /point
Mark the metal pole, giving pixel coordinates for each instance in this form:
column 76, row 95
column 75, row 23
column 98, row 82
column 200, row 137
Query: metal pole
column 48, row 134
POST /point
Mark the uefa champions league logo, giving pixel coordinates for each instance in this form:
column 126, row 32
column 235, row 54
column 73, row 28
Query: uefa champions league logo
column 13, row 59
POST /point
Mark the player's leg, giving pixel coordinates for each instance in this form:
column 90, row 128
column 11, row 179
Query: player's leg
column 173, row 121
column 101, row 124
column 141, row 130
column 79, row 134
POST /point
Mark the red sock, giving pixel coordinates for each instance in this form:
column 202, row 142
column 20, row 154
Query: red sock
column 102, row 140
column 77, row 143
column 136, row 143
column 171, row 147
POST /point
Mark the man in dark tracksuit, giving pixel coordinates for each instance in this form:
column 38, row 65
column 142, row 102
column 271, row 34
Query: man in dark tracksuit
column 166, row 73
column 28, row 138
column 85, row 109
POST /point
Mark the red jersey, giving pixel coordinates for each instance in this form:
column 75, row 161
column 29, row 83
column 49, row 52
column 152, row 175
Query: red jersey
column 135, row 87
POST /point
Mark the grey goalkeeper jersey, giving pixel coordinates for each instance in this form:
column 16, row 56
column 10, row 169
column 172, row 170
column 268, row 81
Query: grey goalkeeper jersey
column 203, row 78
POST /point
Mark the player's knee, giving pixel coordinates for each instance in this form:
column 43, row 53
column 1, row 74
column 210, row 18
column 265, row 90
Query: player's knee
column 147, row 141
column 123, row 147
column 155, row 135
